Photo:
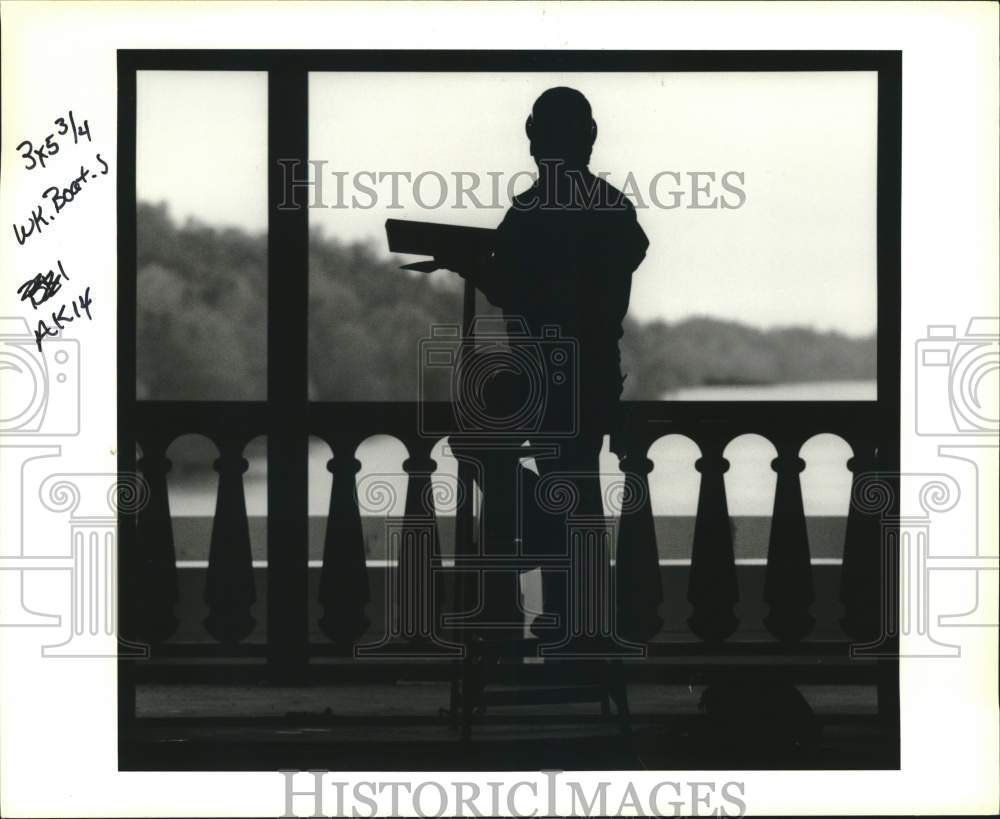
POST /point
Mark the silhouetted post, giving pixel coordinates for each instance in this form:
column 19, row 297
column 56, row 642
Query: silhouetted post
column 465, row 530
column 420, row 598
column 788, row 586
column 712, row 586
column 229, row 587
column 94, row 506
column 589, row 600
column 157, row 559
column 343, row 586
column 637, row 562
column 861, row 572
column 287, row 378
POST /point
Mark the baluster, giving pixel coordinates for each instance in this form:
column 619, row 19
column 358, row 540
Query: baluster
column 157, row 558
column 589, row 589
column 637, row 563
column 712, row 586
column 464, row 584
column 862, row 569
column 229, row 587
column 419, row 598
column 788, row 584
column 343, row 586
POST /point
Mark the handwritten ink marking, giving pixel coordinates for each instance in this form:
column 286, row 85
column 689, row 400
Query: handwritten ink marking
column 59, row 318
column 42, row 287
column 35, row 224
column 78, row 132
column 48, row 284
column 36, row 157
column 60, row 197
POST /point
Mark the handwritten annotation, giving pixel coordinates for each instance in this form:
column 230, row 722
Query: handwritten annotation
column 57, row 197
column 43, row 287
column 36, row 157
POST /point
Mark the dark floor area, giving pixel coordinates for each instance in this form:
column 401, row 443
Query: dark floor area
column 405, row 726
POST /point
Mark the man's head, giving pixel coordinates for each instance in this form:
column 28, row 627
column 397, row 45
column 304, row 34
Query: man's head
column 561, row 127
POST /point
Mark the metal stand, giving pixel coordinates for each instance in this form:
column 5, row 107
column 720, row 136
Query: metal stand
column 493, row 649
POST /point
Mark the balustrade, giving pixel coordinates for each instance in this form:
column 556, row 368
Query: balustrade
column 788, row 585
column 154, row 598
column 420, row 595
column 417, row 577
column 229, row 585
column 712, row 587
column 343, row 587
column 862, row 582
column 639, row 590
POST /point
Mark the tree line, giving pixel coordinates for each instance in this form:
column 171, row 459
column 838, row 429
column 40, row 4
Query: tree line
column 202, row 331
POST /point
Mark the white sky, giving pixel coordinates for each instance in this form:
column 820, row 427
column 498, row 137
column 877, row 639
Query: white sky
column 801, row 250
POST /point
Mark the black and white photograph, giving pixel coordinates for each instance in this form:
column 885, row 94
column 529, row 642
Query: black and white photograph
column 482, row 426
column 559, row 373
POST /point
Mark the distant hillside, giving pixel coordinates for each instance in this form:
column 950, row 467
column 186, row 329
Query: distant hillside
column 700, row 351
column 202, row 326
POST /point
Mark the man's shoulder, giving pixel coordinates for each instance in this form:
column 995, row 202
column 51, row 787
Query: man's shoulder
column 526, row 198
column 593, row 192
column 611, row 197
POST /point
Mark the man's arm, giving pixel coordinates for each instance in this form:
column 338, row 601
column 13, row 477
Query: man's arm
column 489, row 272
column 469, row 266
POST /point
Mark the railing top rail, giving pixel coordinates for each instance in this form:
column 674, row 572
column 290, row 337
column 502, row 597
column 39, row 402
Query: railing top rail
column 644, row 421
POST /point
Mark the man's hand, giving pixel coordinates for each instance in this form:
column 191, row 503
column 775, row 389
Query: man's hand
column 454, row 263
column 463, row 264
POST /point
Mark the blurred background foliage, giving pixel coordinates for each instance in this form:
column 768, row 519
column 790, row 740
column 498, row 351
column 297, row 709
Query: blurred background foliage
column 202, row 325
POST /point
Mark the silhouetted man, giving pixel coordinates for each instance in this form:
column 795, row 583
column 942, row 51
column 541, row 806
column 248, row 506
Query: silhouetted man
column 563, row 257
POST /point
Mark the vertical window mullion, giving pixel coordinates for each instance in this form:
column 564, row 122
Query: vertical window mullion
column 287, row 393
